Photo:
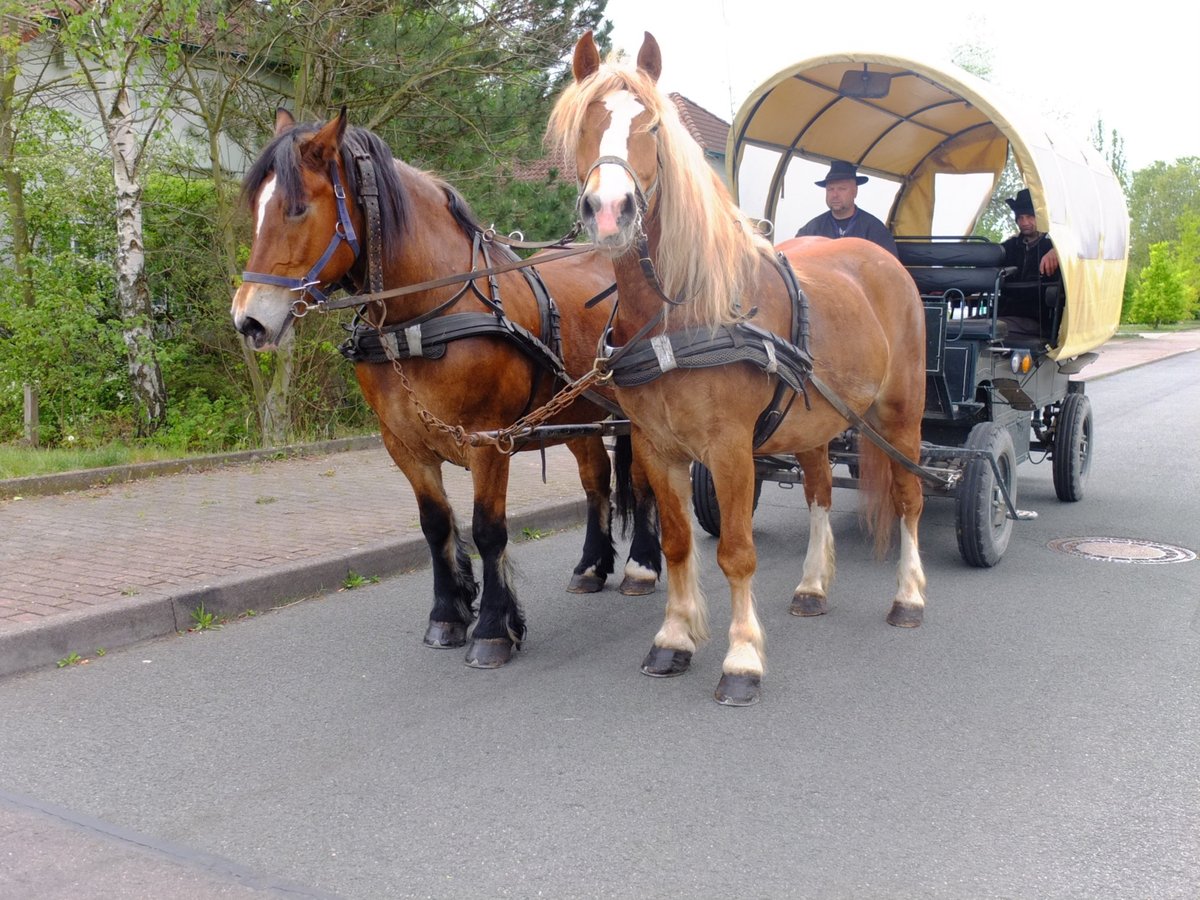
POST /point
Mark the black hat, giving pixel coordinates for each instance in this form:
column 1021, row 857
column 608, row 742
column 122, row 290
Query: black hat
column 1022, row 204
column 839, row 170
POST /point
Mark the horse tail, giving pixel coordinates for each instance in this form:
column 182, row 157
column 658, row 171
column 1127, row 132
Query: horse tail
column 876, row 507
column 623, row 497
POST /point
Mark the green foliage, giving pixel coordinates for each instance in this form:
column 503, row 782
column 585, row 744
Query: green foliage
column 997, row 222
column 1162, row 198
column 354, row 580
column 203, row 620
column 1160, row 297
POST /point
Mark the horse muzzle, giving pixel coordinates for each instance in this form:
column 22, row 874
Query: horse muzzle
column 612, row 224
column 262, row 315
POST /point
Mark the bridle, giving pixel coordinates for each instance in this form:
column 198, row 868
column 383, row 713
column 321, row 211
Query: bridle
column 310, row 284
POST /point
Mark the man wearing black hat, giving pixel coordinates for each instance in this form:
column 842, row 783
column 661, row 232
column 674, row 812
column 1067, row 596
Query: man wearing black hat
column 844, row 219
column 1029, row 250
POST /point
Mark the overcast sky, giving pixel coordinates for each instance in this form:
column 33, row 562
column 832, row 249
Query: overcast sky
column 1134, row 69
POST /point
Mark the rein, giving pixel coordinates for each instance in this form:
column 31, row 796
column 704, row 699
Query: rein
column 353, row 300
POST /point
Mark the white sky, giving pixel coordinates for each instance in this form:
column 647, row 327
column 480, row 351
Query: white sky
column 1134, row 65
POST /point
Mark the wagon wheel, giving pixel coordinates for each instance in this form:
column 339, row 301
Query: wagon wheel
column 981, row 515
column 704, row 499
column 1072, row 453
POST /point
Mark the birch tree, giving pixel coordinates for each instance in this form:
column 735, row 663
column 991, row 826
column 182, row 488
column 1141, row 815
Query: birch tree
column 112, row 43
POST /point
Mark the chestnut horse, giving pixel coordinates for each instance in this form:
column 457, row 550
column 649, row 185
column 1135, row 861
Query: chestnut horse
column 306, row 192
column 697, row 286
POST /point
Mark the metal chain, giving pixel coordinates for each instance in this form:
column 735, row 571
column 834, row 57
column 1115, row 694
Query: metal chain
column 505, row 439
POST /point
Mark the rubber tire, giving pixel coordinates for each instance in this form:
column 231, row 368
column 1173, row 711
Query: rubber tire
column 704, row 499
column 981, row 516
column 1072, row 455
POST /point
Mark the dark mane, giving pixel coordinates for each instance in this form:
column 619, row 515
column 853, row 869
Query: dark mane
column 464, row 216
column 281, row 157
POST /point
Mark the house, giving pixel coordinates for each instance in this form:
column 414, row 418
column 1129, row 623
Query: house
column 710, row 131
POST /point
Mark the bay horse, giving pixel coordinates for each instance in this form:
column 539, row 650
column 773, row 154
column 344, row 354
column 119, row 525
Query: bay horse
column 717, row 345
column 310, row 192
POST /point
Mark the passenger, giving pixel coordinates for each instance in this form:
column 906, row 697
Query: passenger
column 844, row 219
column 1029, row 250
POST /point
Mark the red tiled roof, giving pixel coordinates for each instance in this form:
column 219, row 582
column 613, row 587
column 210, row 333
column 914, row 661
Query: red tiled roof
column 709, row 131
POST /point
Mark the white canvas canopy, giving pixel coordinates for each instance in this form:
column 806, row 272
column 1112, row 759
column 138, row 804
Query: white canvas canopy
column 908, row 122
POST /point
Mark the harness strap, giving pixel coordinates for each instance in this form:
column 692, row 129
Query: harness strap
column 874, row 436
column 428, row 340
column 368, row 198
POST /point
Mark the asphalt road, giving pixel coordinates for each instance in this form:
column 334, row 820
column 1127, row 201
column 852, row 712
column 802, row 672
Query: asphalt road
column 1037, row 737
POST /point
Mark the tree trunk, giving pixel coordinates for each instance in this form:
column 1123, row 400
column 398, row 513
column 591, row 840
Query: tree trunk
column 275, row 418
column 14, row 185
column 270, row 401
column 133, row 292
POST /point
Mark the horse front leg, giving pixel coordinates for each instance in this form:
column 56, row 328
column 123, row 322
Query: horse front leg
column 501, row 625
column 595, row 473
column 811, row 595
column 454, row 584
column 685, row 625
column 636, row 505
column 745, row 661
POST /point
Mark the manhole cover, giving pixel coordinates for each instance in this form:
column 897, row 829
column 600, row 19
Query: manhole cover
column 1125, row 550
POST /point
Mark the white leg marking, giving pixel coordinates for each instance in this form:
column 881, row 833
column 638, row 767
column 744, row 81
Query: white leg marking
column 819, row 558
column 639, row 572
column 910, row 576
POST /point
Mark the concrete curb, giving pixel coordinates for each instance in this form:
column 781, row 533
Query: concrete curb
column 83, row 479
column 43, row 644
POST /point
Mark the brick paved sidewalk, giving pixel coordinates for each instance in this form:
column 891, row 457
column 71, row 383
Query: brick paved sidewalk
column 108, row 566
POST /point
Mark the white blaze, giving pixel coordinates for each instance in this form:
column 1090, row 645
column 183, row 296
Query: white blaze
column 265, row 193
column 613, row 182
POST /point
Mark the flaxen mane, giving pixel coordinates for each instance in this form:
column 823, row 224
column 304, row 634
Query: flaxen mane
column 709, row 249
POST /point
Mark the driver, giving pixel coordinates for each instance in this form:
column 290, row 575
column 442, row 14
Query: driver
column 844, row 219
column 1029, row 250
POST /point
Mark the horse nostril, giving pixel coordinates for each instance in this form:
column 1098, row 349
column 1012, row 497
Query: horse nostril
column 251, row 328
column 628, row 210
column 589, row 207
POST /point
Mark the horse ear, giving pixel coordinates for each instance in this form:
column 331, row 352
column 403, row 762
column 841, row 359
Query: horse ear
column 283, row 120
column 649, row 57
column 587, row 57
column 323, row 145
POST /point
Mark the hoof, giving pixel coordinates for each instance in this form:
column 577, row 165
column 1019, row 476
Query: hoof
column 906, row 616
column 808, row 605
column 444, row 635
column 636, row 587
column 585, row 583
column 663, row 662
column 489, row 653
column 738, row 690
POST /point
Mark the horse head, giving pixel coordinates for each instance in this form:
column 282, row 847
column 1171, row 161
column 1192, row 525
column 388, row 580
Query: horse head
column 613, row 124
column 304, row 230
column 644, row 181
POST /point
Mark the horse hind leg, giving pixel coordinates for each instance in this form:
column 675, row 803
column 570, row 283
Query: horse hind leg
column 811, row 595
column 636, row 506
column 501, row 625
column 908, row 606
column 894, row 492
column 599, row 557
